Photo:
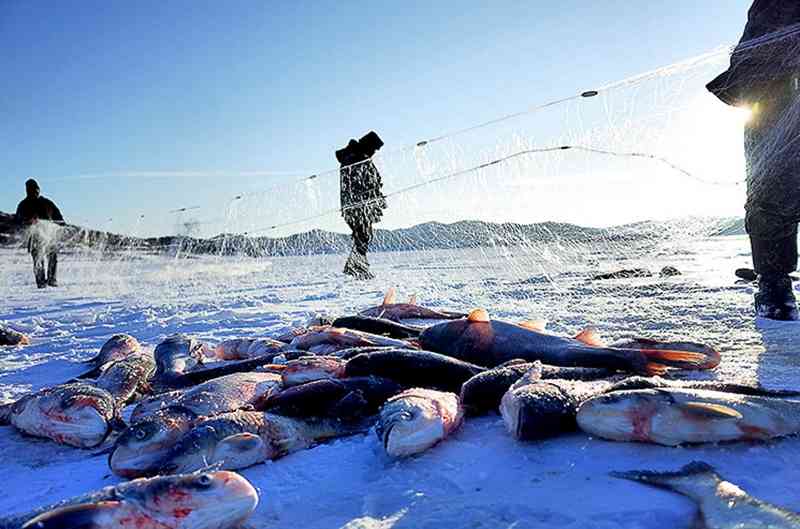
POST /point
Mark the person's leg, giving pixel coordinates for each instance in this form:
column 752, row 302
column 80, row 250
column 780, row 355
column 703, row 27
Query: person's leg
column 38, row 263
column 52, row 267
column 773, row 200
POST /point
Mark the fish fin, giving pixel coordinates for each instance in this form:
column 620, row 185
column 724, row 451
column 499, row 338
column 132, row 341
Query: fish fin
column 655, row 369
column 81, row 516
column 682, row 359
column 589, row 336
column 412, row 300
column 533, row 375
column 390, row 298
column 92, row 373
column 240, row 450
column 711, row 410
column 534, row 325
column 478, row 316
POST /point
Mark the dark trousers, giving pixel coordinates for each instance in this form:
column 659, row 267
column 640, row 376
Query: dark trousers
column 41, row 253
column 362, row 234
column 772, row 153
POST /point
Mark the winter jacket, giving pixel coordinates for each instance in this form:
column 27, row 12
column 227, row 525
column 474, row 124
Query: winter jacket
column 754, row 64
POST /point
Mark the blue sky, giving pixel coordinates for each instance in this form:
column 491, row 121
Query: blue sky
column 217, row 90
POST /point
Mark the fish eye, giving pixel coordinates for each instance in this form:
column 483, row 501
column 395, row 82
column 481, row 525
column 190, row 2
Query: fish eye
column 140, row 434
column 204, row 480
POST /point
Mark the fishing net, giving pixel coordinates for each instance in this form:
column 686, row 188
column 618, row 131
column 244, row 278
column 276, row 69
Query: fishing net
column 523, row 213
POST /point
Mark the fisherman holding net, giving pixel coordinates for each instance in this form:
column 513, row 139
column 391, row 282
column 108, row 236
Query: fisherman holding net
column 40, row 217
column 764, row 75
column 362, row 201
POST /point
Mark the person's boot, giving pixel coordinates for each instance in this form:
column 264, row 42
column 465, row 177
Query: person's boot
column 358, row 267
column 350, row 266
column 775, row 299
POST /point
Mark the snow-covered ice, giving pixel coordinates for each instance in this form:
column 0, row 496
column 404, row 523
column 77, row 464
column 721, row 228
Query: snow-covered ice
column 480, row 477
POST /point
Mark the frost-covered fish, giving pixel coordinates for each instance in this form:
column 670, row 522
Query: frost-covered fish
column 483, row 392
column 722, row 505
column 537, row 408
column 390, row 309
column 417, row 419
column 218, row 395
column 325, row 340
column 534, row 408
column 9, row 336
column 244, row 348
column 380, row 326
column 75, row 414
column 178, row 354
column 672, row 416
column 244, row 438
column 346, row 398
column 413, row 368
column 160, row 422
column 117, row 347
column 486, row 342
column 209, row 500
column 127, row 378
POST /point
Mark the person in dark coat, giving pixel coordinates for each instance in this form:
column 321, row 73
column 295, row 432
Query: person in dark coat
column 362, row 201
column 33, row 209
column 764, row 75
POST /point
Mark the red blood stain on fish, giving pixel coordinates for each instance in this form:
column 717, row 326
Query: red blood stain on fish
column 754, row 432
column 181, row 513
column 640, row 420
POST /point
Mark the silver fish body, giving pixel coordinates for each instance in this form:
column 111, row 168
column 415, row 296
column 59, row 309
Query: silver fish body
column 673, row 416
column 117, row 347
column 161, row 422
column 75, row 414
column 210, row 500
column 244, row 438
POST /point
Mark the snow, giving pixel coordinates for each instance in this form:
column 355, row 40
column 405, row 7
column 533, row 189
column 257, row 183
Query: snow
column 480, row 477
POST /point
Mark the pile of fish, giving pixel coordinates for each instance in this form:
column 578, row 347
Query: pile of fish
column 252, row 399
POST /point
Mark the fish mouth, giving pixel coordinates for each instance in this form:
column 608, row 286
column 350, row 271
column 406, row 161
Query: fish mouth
column 386, row 431
column 228, row 506
column 133, row 463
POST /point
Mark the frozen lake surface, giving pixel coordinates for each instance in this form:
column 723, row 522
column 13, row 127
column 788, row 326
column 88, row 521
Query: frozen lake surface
column 480, row 477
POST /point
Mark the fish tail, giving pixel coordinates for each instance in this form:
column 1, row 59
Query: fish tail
column 684, row 355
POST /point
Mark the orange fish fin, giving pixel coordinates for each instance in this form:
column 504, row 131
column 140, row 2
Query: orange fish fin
column 655, row 369
column 478, row 316
column 711, row 410
column 391, row 297
column 678, row 359
column 589, row 336
column 534, row 325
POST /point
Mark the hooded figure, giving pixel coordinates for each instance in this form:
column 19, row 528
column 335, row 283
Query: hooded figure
column 764, row 75
column 42, row 241
column 362, row 201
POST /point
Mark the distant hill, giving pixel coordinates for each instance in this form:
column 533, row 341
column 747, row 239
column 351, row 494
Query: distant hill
column 427, row 236
column 733, row 227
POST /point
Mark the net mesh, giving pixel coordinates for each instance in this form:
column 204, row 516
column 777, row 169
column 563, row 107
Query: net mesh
column 521, row 212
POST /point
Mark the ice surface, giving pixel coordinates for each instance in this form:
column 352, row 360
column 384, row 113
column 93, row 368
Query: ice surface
column 480, row 477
